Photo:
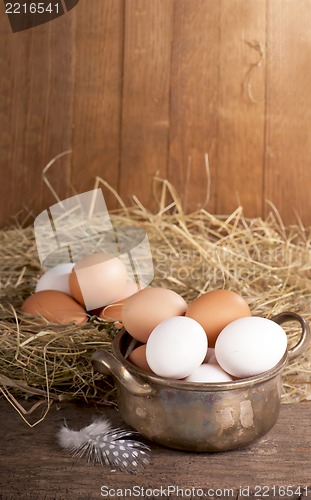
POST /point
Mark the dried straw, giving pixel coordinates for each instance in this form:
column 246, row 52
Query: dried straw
column 266, row 262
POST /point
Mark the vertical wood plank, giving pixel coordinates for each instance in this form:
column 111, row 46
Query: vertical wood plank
column 288, row 150
column 145, row 118
column 36, row 82
column 241, row 106
column 12, row 79
column 97, row 100
column 194, row 100
column 57, row 92
column 192, row 83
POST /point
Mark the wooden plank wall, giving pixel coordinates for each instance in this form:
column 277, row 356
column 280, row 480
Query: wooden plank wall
column 138, row 88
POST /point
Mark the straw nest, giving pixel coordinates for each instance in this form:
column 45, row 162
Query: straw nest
column 267, row 263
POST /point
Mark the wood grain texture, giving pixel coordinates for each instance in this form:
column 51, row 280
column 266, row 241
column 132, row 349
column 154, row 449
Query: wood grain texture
column 137, row 88
column 12, row 106
column 34, row 467
column 239, row 177
column 288, row 143
column 35, row 110
column 146, row 87
column 97, row 96
column 194, row 102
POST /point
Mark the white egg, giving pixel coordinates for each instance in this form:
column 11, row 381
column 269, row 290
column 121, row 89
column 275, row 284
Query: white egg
column 209, row 373
column 210, row 356
column 213, row 361
column 56, row 278
column 176, row 347
column 249, row 346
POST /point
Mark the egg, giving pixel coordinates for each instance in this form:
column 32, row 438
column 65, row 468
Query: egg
column 209, row 373
column 56, row 278
column 210, row 356
column 216, row 309
column 249, row 346
column 98, row 280
column 138, row 358
column 113, row 312
column 212, row 360
column 56, row 307
column 130, row 288
column 144, row 310
column 74, row 288
column 176, row 347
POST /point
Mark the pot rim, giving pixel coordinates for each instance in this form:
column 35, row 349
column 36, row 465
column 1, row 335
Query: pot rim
column 195, row 386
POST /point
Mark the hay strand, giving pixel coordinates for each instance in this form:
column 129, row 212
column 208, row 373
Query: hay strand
column 266, row 262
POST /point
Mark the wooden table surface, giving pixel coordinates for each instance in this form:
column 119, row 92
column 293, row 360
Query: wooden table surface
column 33, row 466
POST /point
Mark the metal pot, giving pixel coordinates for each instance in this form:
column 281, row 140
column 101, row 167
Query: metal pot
column 195, row 416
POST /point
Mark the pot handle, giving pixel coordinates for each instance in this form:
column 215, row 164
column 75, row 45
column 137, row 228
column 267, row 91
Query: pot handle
column 305, row 337
column 106, row 363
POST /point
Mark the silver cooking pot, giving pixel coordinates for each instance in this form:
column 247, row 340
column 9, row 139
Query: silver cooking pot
column 198, row 416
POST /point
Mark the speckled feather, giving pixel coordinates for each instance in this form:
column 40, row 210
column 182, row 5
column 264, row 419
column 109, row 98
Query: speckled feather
column 100, row 443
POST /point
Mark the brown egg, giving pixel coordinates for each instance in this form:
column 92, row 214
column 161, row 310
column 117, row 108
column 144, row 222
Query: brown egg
column 113, row 312
column 98, row 280
column 144, row 310
column 215, row 310
column 75, row 288
column 56, row 307
column 138, row 358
